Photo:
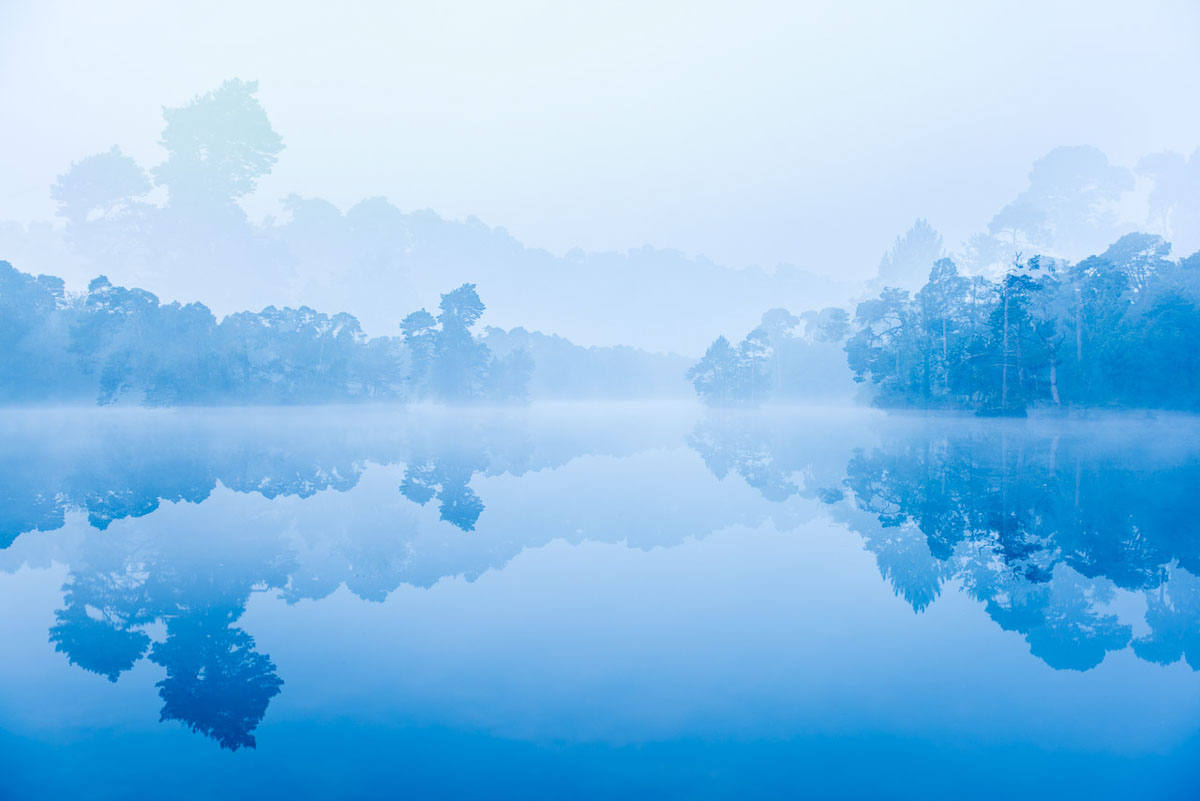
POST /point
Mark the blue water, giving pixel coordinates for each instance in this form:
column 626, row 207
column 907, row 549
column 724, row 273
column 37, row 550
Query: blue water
column 628, row 601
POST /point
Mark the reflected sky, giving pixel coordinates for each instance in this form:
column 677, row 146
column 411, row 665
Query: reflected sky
column 649, row 600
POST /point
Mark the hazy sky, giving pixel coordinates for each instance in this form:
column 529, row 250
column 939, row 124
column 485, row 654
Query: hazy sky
column 750, row 132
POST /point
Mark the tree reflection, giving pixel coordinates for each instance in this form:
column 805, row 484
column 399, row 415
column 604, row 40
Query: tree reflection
column 1045, row 530
column 1050, row 529
column 118, row 473
column 1047, row 525
column 216, row 683
column 446, row 479
column 1173, row 612
column 100, row 646
column 197, row 581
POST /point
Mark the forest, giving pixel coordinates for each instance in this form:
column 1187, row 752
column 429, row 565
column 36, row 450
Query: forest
column 1016, row 318
column 180, row 229
column 1114, row 330
column 1058, row 303
column 114, row 343
column 784, row 358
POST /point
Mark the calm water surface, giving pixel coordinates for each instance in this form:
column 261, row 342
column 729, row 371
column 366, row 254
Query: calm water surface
column 597, row 601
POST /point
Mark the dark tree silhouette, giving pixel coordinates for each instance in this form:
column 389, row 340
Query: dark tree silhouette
column 216, row 683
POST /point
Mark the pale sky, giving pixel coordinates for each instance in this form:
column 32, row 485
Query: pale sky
column 750, row 132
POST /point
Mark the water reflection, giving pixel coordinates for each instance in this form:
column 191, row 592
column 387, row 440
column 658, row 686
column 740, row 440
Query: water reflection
column 445, row 480
column 196, row 583
column 1044, row 528
column 1045, row 523
column 1052, row 527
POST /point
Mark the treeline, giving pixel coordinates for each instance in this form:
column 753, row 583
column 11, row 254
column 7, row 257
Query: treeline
column 178, row 228
column 113, row 344
column 784, row 357
column 1118, row 330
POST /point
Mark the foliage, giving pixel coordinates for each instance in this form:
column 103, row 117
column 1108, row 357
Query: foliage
column 910, row 256
column 1042, row 529
column 115, row 344
column 218, row 145
column 1116, row 329
column 775, row 361
column 450, row 364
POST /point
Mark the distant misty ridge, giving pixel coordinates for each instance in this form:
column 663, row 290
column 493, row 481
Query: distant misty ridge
column 372, row 257
column 116, row 344
column 177, row 229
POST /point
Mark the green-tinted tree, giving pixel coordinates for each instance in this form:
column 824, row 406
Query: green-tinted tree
column 218, row 146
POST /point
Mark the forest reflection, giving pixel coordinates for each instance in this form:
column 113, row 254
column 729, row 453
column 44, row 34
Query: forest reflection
column 1051, row 525
column 1043, row 522
column 1044, row 529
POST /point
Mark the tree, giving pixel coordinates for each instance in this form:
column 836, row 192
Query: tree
column 1020, row 226
column 777, row 325
column 460, row 363
column 754, row 358
column 1069, row 203
column 884, row 346
column 218, row 146
column 909, row 260
column 449, row 362
column 1175, row 199
column 99, row 186
column 940, row 302
column 106, row 221
column 420, row 335
column 35, row 319
column 1141, row 257
column 715, row 375
column 831, row 324
column 1009, row 322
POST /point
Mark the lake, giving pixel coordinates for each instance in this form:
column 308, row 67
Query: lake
column 612, row 600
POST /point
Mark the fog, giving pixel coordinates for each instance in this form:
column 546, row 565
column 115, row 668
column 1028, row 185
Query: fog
column 605, row 196
column 809, row 134
column 530, row 399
